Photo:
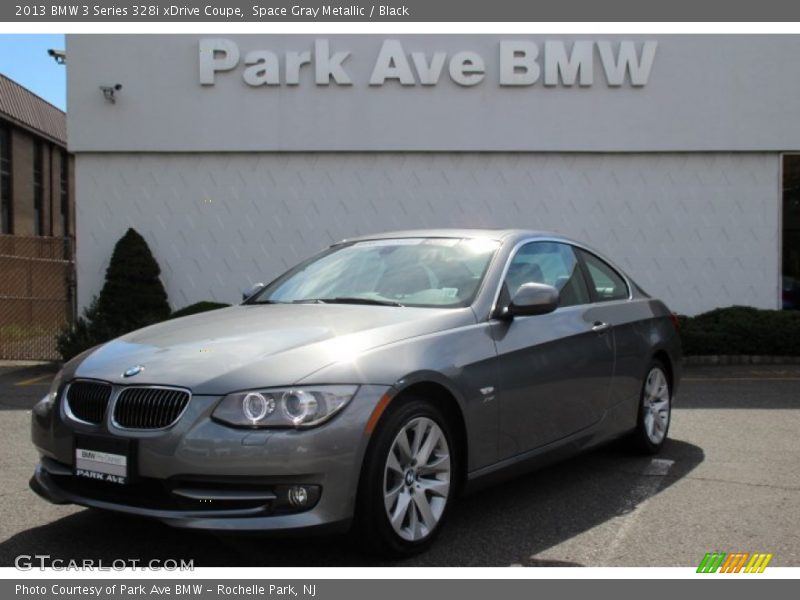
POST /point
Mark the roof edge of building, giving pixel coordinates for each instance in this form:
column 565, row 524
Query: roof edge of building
column 28, row 121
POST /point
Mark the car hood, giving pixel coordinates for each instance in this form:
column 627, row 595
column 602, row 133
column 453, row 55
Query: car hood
column 249, row 346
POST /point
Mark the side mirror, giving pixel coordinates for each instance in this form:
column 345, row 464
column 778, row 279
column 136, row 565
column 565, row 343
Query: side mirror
column 533, row 299
column 254, row 289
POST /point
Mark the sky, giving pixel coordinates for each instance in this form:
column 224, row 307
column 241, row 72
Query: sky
column 24, row 59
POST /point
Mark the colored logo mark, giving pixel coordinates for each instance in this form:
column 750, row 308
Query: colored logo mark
column 735, row 562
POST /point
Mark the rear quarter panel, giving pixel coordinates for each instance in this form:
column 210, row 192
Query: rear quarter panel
column 642, row 328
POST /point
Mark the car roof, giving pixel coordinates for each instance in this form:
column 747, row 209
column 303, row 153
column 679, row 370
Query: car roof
column 504, row 235
column 508, row 237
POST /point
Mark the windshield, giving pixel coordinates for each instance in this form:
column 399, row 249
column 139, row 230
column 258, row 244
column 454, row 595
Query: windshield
column 430, row 272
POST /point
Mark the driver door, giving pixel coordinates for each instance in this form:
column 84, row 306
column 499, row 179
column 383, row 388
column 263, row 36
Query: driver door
column 554, row 370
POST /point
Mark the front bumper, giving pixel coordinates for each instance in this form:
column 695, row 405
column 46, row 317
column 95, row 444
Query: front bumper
column 244, row 472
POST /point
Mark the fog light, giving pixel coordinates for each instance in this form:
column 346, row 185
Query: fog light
column 298, row 496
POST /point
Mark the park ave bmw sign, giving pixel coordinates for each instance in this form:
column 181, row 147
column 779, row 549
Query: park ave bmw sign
column 519, row 63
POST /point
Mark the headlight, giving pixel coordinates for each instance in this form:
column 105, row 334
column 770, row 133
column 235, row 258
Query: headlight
column 52, row 394
column 45, row 405
column 284, row 407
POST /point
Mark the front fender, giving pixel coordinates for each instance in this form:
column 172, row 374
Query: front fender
column 462, row 360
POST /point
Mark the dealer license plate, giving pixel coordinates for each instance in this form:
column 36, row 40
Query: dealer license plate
column 103, row 459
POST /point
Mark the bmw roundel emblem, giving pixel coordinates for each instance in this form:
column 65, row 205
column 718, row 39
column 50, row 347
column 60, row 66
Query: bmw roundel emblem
column 133, row 371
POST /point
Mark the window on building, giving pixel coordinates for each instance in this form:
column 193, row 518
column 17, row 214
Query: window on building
column 791, row 231
column 64, row 194
column 606, row 283
column 6, row 224
column 38, row 188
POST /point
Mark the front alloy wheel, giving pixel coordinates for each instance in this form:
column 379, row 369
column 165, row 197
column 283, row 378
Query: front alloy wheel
column 416, row 480
column 408, row 480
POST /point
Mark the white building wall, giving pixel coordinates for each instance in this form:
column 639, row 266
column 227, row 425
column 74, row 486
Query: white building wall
column 706, row 93
column 699, row 230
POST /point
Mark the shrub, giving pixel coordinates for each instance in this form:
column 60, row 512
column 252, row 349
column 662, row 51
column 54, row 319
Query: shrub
column 83, row 334
column 742, row 330
column 196, row 308
column 132, row 297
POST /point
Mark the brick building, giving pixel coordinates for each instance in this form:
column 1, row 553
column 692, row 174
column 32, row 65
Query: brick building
column 36, row 172
column 37, row 225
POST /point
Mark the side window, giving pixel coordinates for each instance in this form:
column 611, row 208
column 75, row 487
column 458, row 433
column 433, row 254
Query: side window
column 551, row 263
column 605, row 281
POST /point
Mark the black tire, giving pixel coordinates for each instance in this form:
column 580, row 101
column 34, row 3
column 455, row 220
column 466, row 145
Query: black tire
column 640, row 440
column 373, row 527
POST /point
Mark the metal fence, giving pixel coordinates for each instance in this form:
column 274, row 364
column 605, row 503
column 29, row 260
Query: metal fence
column 37, row 295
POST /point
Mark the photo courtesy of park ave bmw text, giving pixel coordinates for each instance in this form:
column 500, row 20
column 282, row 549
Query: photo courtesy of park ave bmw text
column 237, row 156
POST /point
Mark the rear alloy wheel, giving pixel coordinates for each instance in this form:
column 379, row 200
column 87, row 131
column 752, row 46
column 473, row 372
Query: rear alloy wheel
column 655, row 410
column 408, row 480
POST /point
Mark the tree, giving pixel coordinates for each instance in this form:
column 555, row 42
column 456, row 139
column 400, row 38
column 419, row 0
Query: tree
column 132, row 297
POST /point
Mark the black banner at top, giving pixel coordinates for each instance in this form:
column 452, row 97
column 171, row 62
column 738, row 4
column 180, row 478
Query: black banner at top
column 406, row 11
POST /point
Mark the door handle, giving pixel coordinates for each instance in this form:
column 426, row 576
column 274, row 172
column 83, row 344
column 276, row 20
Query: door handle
column 600, row 327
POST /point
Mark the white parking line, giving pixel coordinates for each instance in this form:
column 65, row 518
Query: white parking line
column 645, row 488
column 658, row 466
column 609, row 536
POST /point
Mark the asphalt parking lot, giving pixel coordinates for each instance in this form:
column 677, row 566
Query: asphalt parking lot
column 728, row 480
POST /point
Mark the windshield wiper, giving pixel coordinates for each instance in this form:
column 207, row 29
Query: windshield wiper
column 350, row 300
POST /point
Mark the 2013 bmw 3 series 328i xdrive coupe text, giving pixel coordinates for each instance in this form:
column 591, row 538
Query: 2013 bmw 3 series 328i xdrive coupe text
column 365, row 387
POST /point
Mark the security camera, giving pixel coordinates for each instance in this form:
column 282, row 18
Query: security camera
column 58, row 55
column 109, row 90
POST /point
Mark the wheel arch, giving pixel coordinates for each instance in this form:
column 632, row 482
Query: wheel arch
column 663, row 357
column 446, row 400
column 441, row 397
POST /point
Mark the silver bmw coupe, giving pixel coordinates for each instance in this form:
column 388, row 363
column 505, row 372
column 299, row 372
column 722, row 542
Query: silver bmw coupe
column 366, row 387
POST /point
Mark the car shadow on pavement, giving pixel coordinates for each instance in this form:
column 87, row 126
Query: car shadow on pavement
column 503, row 525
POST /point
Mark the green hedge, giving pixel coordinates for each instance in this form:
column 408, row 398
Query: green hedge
column 197, row 307
column 741, row 330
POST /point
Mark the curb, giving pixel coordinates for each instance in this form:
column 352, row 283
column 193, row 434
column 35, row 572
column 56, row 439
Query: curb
column 740, row 359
